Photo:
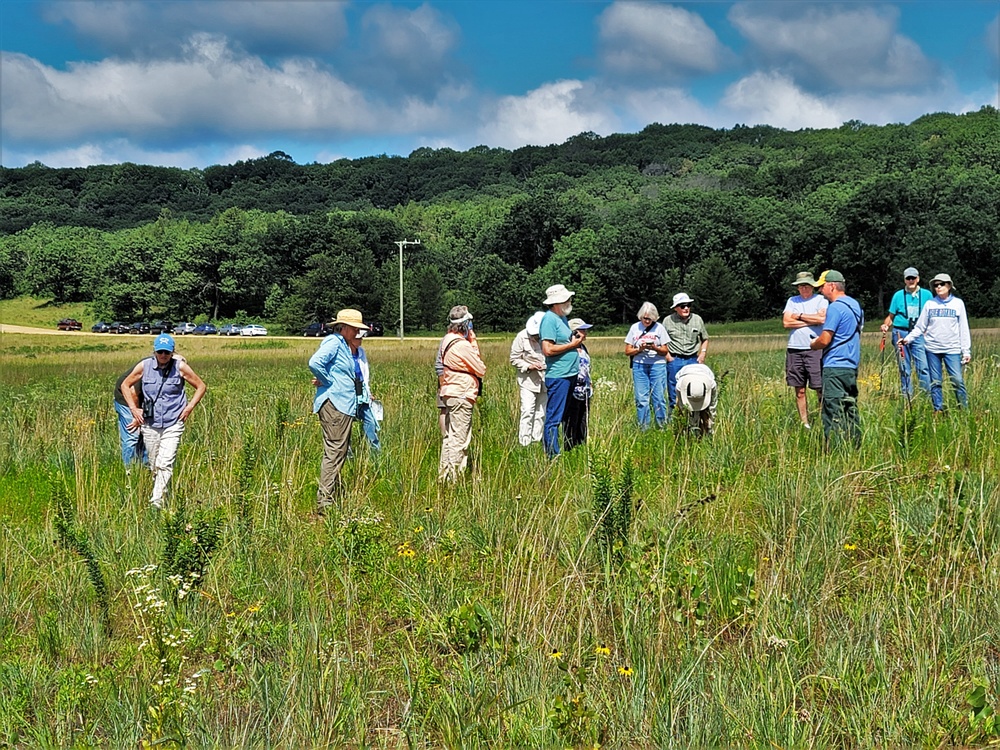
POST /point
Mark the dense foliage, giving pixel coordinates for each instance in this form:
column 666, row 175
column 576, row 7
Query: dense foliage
column 727, row 215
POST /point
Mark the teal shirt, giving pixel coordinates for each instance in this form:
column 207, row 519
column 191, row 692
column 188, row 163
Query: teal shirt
column 555, row 328
column 905, row 307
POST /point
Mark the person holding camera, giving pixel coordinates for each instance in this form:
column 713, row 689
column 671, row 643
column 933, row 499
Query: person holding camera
column 459, row 385
column 576, row 415
column 165, row 408
column 904, row 310
column 646, row 347
column 339, row 367
column 560, row 346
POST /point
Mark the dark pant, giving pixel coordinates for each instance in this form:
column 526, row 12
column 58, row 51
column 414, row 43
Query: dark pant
column 841, row 419
column 674, row 367
column 574, row 422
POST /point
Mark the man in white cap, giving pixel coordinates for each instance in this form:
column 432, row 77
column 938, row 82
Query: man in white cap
column 341, row 393
column 688, row 342
column 904, row 309
column 698, row 393
column 562, row 360
column 803, row 316
column 527, row 358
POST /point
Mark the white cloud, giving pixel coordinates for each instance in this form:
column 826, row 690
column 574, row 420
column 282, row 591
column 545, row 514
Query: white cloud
column 129, row 28
column 773, row 99
column 419, row 35
column 211, row 90
column 549, row 114
column 114, row 151
column 835, row 46
column 663, row 40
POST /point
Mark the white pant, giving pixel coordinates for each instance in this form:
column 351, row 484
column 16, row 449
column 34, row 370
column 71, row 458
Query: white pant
column 532, row 421
column 162, row 444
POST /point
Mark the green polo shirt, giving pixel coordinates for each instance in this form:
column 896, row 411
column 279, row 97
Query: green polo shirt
column 685, row 336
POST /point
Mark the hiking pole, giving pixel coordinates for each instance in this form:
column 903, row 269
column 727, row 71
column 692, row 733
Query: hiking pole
column 904, row 378
column 881, row 367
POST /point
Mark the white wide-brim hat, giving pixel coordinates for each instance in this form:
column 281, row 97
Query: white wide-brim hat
column 557, row 294
column 534, row 324
column 680, row 299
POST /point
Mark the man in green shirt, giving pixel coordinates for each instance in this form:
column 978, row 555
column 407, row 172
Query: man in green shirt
column 688, row 342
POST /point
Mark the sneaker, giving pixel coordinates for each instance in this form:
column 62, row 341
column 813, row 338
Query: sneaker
column 806, row 426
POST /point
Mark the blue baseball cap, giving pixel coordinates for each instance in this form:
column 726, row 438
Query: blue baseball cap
column 163, row 343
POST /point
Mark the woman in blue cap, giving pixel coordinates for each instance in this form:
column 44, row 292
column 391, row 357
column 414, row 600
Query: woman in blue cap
column 165, row 408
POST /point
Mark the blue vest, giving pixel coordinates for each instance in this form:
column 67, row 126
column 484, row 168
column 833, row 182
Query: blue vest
column 163, row 391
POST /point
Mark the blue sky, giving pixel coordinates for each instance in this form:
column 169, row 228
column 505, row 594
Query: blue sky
column 191, row 83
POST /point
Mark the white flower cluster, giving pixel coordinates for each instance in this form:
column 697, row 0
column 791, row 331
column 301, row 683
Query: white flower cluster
column 606, row 384
column 375, row 519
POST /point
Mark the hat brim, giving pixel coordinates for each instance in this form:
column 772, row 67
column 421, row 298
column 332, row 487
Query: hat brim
column 558, row 300
column 353, row 323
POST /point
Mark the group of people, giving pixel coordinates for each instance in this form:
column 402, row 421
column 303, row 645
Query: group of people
column 930, row 333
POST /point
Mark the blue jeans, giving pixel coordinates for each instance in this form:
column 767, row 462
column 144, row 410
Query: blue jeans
column 650, row 379
column 557, row 390
column 369, row 426
column 672, row 369
column 133, row 448
column 952, row 363
column 914, row 359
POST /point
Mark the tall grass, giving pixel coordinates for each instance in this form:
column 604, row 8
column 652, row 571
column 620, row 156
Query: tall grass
column 767, row 592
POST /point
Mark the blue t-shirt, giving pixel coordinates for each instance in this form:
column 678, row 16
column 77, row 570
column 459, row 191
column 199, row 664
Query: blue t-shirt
column 844, row 318
column 555, row 328
column 905, row 307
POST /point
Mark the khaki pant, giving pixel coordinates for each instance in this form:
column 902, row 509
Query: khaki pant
column 162, row 444
column 336, row 441
column 532, row 420
column 458, row 435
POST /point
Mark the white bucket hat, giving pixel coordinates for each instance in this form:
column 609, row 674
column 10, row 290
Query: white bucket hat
column 695, row 384
column 557, row 294
column 534, row 324
column 680, row 299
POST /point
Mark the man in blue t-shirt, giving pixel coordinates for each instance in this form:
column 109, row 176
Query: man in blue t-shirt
column 841, row 345
column 903, row 313
column 562, row 360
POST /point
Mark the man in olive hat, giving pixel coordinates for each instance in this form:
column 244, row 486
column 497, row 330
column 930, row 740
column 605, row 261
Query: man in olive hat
column 804, row 316
column 840, row 343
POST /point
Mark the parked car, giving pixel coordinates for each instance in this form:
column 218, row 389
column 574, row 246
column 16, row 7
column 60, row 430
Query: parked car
column 161, row 326
column 205, row 329
column 317, row 329
column 184, row 328
column 141, row 327
column 100, row 327
column 253, row 330
column 230, row 329
column 118, row 327
column 69, row 324
column 375, row 329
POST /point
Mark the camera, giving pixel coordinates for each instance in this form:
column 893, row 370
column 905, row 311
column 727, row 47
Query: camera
column 147, row 410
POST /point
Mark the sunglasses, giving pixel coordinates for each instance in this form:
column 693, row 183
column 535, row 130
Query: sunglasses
column 685, row 306
column 936, row 284
column 910, row 278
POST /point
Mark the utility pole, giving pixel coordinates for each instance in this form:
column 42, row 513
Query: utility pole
column 401, row 244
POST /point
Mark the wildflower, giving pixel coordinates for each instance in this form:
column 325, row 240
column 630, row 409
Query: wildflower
column 850, row 547
column 428, row 509
column 418, row 530
column 602, row 650
column 556, row 654
column 625, row 671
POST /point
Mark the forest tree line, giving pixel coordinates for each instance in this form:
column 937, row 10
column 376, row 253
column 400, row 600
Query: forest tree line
column 726, row 215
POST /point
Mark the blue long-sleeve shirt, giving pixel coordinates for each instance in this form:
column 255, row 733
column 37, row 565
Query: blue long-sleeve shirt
column 333, row 364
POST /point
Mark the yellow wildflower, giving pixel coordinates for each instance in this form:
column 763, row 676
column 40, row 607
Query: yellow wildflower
column 625, row 671
column 602, row 650
column 556, row 654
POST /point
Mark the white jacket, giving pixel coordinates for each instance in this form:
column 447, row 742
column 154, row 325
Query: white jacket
column 524, row 354
column 944, row 326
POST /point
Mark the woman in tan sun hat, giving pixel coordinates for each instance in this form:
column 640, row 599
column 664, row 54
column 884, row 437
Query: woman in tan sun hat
column 342, row 394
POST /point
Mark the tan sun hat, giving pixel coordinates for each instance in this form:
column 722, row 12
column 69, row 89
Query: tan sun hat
column 351, row 317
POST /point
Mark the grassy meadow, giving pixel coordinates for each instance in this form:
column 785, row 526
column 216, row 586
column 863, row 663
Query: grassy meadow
column 647, row 591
